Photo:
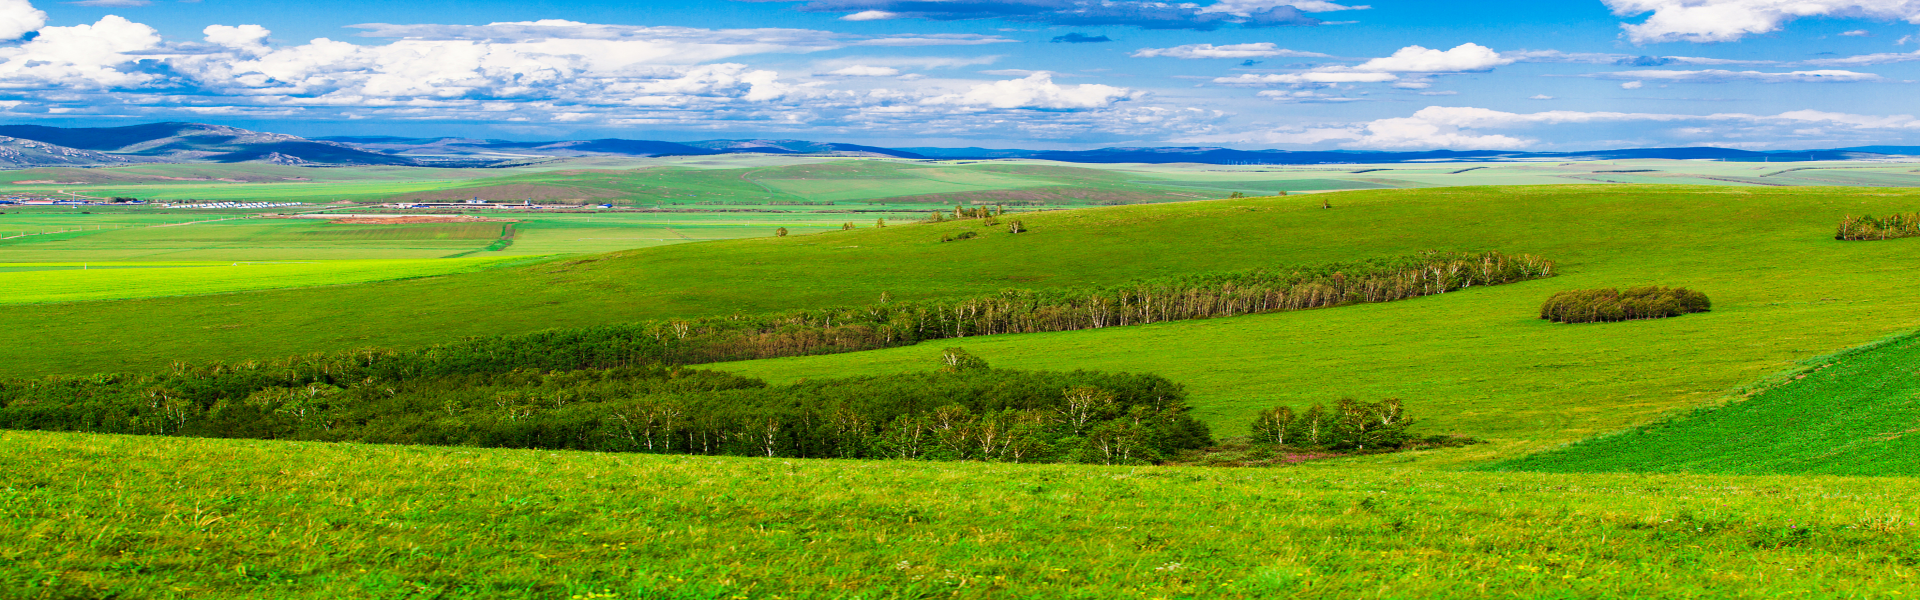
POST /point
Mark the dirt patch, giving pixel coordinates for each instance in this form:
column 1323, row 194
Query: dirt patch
column 415, row 219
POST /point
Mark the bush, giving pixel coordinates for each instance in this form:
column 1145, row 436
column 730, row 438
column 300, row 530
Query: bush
column 967, row 413
column 964, row 235
column 1863, row 228
column 1608, row 304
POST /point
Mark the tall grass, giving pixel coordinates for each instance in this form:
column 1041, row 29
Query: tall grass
column 1608, row 304
column 1866, row 227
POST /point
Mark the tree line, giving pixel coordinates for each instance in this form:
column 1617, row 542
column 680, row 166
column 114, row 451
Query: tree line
column 892, row 323
column 1866, row 227
column 1608, row 304
column 965, row 411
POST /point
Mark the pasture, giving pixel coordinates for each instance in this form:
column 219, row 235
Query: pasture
column 96, row 516
column 38, row 283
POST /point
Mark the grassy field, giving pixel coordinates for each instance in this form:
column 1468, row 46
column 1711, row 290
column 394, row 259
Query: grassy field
column 70, row 282
column 128, row 517
column 1477, row 362
column 1849, row 414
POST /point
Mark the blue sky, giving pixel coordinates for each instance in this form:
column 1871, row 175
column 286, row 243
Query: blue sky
column 1296, row 74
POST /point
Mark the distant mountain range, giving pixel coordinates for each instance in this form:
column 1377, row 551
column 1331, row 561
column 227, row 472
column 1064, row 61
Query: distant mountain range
column 25, row 146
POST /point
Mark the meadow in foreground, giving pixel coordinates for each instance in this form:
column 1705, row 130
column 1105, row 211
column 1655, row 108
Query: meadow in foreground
column 135, row 517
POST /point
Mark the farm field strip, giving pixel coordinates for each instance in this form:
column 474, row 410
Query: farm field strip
column 102, row 282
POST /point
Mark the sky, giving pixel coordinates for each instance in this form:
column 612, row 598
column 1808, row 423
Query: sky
column 1544, row 75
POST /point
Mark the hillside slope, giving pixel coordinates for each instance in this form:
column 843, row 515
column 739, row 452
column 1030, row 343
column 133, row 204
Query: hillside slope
column 1855, row 413
column 1477, row 362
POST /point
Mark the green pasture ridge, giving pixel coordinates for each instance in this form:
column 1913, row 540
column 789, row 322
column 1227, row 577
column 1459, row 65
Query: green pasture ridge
column 1848, row 413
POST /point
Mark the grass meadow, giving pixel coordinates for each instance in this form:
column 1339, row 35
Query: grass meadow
column 90, row 516
column 70, row 282
column 1851, row 413
column 1477, row 362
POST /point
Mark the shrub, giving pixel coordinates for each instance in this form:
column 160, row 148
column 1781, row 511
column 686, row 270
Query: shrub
column 972, row 413
column 781, row 232
column 1866, row 227
column 964, row 235
column 1608, row 304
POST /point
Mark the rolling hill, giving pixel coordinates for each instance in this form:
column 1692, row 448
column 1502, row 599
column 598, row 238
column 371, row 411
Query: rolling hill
column 1476, row 362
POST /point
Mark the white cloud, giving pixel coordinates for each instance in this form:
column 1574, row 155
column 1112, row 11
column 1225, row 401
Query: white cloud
column 80, row 56
column 1632, row 85
column 1540, row 97
column 1036, row 91
column 1309, row 77
column 1857, row 33
column 1416, row 59
column 865, row 71
column 1724, row 76
column 908, row 62
column 1865, row 59
column 1309, row 96
column 1260, row 50
column 870, row 15
column 1730, row 20
column 251, row 39
column 19, row 17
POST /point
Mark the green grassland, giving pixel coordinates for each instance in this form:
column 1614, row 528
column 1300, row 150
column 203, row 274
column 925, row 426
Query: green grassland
column 1855, row 413
column 27, row 285
column 1476, row 362
column 89, row 516
column 136, row 517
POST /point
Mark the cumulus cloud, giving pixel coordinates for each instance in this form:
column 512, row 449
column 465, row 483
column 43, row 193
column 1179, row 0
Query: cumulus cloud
column 18, row 18
column 79, row 56
column 1730, row 20
column 1259, row 50
column 251, row 39
column 1724, row 76
column 1417, row 59
column 1036, row 91
column 1148, row 14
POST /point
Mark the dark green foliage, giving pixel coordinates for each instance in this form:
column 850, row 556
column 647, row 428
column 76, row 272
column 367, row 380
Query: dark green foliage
column 957, row 360
column 1350, row 425
column 1868, row 228
column 1608, row 304
column 964, row 235
column 966, row 413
